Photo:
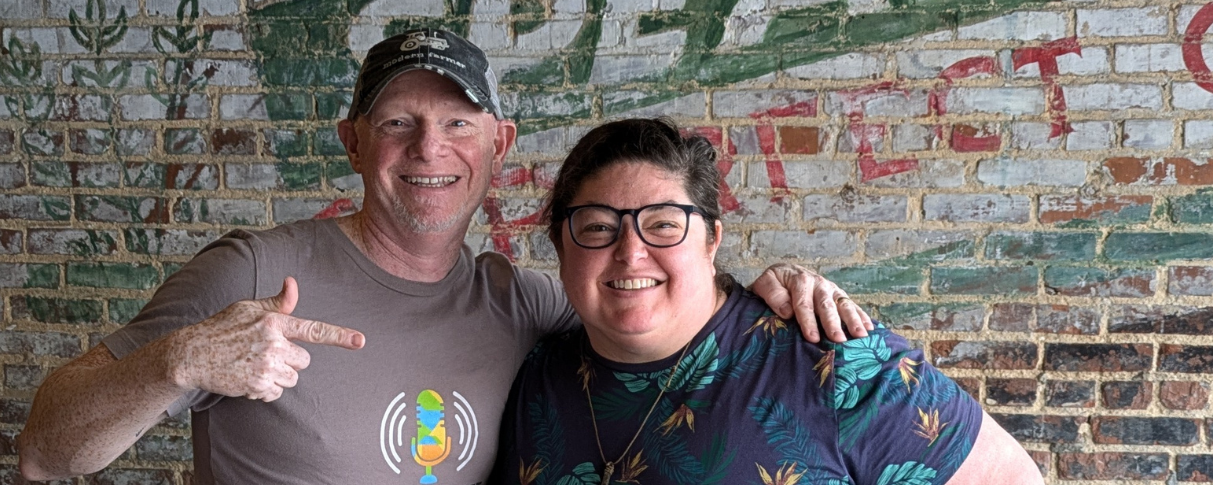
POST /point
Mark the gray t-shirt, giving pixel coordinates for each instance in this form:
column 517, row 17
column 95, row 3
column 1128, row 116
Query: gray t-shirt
column 428, row 388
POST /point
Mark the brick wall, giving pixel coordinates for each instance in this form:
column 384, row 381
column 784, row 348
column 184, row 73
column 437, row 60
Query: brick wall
column 1022, row 187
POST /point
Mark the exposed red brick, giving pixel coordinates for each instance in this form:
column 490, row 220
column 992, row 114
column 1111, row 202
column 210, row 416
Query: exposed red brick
column 1125, row 170
column 1127, row 395
column 966, row 138
column 1075, row 207
column 800, row 140
column 1011, row 317
column 1044, row 461
column 1112, row 466
column 1185, row 395
column 970, row 385
column 1183, row 171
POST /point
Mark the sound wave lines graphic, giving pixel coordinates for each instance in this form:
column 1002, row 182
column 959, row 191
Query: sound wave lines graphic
column 429, row 437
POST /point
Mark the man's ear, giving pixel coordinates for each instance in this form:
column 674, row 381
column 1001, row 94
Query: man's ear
column 507, row 133
column 349, row 137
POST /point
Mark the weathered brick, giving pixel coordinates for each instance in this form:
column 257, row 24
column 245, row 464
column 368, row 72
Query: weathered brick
column 1122, row 22
column 35, row 207
column 1010, row 172
column 970, row 386
column 1131, row 430
column 122, row 310
column 76, row 174
column 26, row 377
column 1098, row 357
column 234, row 142
column 1048, row 246
column 1148, row 134
column 14, row 410
column 1198, row 134
column 1100, row 97
column 291, row 176
column 40, row 343
column 293, row 209
column 42, row 142
column 57, row 310
column 1188, row 359
column 983, row 355
column 1091, row 135
column 136, row 107
column 184, row 141
column 813, row 174
column 1010, row 392
column 851, row 207
column 22, row 275
column 742, row 104
column 1183, row 395
column 1190, row 96
column 929, row 63
column 341, row 176
column 8, row 139
column 1040, row 428
column 976, row 207
column 134, row 276
column 1070, row 394
column 1100, row 282
column 164, row 448
column 1126, row 394
column 75, row 242
column 801, row 140
column 1069, row 320
column 931, row 174
column 976, row 137
column 286, row 143
column 1193, row 209
column 1194, row 468
column 1088, row 61
column 326, row 141
column 753, row 208
column 1190, row 280
column 213, row 72
column 1160, row 246
column 1004, row 100
column 11, row 241
column 243, row 107
column 134, row 141
column 1011, row 317
column 1017, row 26
column 90, row 141
column 909, row 137
column 1161, row 319
column 854, row 65
column 910, row 246
column 983, row 280
column 1149, row 58
column 858, row 279
column 1026, row 135
column 1079, row 211
column 113, row 208
column 244, row 212
column 1112, row 466
column 931, row 316
column 332, row 106
column 802, row 245
column 174, row 242
column 693, row 105
column 12, row 175
column 527, row 105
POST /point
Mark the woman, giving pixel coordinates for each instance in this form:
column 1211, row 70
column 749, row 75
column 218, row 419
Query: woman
column 681, row 376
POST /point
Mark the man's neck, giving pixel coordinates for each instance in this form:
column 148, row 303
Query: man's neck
column 425, row 257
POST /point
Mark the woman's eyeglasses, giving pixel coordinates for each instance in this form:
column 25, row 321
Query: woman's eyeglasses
column 597, row 226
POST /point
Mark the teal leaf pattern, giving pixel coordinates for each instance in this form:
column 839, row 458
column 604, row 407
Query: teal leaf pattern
column 908, row 473
column 547, row 433
column 696, row 371
column 583, row 474
column 671, row 455
column 786, row 435
column 717, row 460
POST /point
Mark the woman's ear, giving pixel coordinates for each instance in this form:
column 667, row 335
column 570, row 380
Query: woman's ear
column 718, row 228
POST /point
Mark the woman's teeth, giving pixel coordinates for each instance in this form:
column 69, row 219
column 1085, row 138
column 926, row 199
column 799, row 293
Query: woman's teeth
column 430, row 181
column 635, row 284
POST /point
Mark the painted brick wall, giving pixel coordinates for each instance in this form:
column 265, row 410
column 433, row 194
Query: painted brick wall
column 1022, row 187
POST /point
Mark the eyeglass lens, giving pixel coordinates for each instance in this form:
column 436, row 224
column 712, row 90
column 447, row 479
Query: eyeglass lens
column 659, row 225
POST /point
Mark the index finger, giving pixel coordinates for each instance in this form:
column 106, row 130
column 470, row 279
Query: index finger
column 315, row 332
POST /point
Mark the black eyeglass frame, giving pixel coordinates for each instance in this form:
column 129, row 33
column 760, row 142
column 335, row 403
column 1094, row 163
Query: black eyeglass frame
column 686, row 208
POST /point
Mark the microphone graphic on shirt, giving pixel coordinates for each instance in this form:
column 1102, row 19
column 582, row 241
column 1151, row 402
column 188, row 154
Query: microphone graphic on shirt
column 431, row 445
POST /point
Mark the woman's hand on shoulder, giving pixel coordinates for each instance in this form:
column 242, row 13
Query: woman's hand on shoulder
column 817, row 303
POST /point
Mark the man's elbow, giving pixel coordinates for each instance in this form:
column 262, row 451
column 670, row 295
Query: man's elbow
column 36, row 466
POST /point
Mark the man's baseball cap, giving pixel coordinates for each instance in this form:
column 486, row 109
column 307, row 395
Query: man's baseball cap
column 437, row 50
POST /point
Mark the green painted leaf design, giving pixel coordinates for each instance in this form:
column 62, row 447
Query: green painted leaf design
column 583, row 474
column 908, row 473
column 696, row 371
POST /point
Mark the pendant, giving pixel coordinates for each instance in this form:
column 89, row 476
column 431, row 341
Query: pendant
column 607, row 472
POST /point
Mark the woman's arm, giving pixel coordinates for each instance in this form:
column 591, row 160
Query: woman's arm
column 996, row 459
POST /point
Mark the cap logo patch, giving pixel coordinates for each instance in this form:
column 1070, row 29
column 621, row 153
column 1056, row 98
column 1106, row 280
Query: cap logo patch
column 416, row 40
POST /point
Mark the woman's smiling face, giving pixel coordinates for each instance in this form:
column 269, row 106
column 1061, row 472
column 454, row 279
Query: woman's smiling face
column 636, row 299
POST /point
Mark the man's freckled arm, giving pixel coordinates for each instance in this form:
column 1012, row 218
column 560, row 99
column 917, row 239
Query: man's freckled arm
column 91, row 410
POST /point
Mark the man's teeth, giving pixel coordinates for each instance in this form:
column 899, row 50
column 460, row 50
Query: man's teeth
column 635, row 284
column 430, row 181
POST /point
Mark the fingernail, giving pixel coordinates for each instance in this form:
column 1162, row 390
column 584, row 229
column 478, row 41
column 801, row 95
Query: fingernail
column 358, row 340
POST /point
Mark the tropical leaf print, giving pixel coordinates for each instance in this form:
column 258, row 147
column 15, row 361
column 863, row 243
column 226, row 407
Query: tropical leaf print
column 621, row 405
column 635, row 382
column 548, row 435
column 929, row 426
column 855, row 362
column 785, row 475
column 854, row 425
column 696, row 371
column 671, row 457
column 788, row 437
column 748, row 358
column 933, row 389
column 768, row 323
column 717, row 460
column 908, row 473
column 583, row 474
column 632, row 469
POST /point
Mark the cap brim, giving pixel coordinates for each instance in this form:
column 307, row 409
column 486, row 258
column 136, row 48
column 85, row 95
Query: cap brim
column 467, row 88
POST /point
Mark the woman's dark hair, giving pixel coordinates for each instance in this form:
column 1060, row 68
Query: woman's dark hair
column 653, row 141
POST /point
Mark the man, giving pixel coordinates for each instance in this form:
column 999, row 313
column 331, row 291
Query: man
column 409, row 378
